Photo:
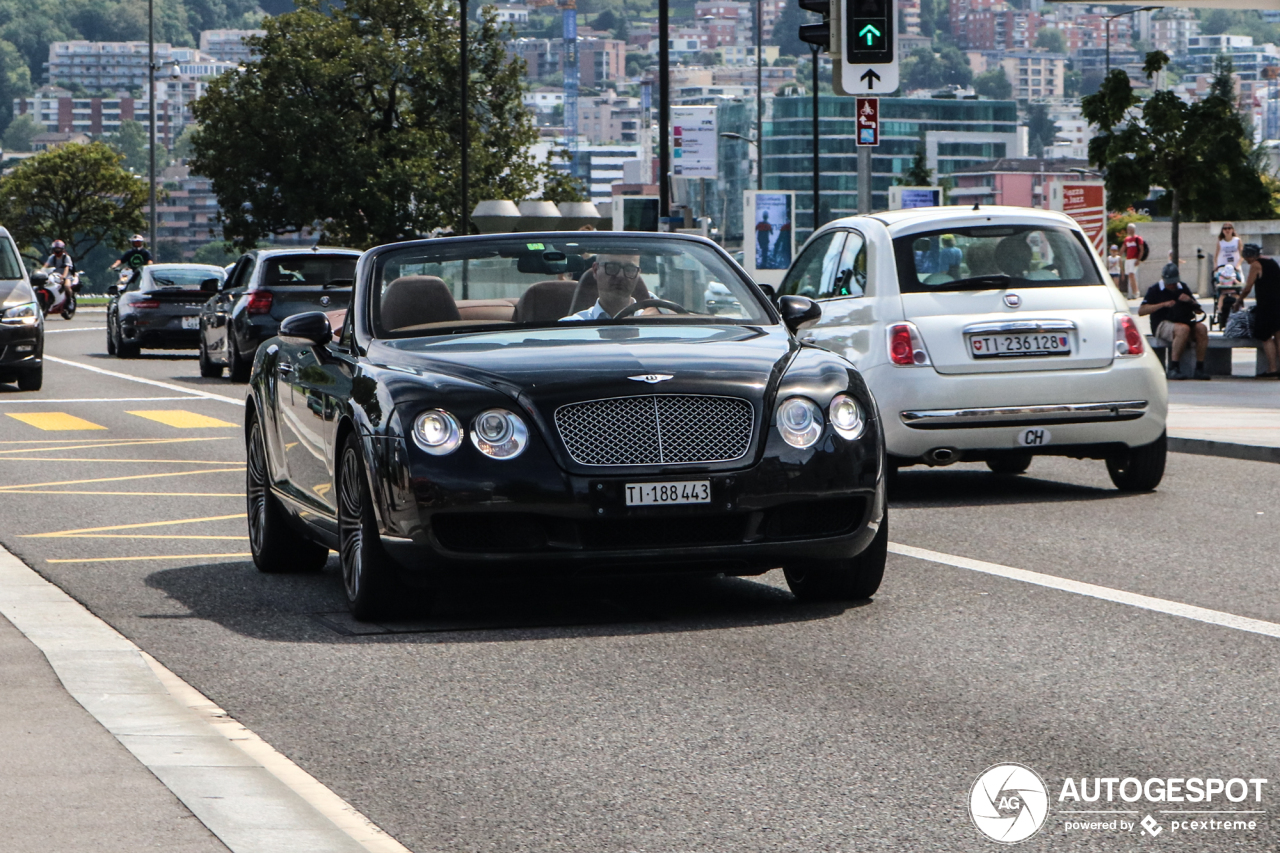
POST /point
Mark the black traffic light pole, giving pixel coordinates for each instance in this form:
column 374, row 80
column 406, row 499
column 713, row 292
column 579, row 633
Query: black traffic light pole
column 818, row 37
column 664, row 114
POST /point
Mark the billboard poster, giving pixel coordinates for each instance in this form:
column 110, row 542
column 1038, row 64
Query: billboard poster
column 694, row 142
column 905, row 198
column 1086, row 203
column 770, row 240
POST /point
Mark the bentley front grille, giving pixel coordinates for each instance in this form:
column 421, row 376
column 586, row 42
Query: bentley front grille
column 656, row 430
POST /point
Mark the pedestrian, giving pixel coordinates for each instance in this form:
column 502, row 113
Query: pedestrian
column 1174, row 319
column 1134, row 250
column 1264, row 274
column 1228, row 270
column 1229, row 251
column 1115, row 266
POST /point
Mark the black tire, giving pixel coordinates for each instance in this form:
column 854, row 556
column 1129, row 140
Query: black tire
column 239, row 368
column 1140, row 469
column 208, row 369
column 31, row 379
column 1015, row 464
column 70, row 310
column 891, row 470
column 111, row 337
column 368, row 576
column 276, row 547
column 124, row 349
column 843, row 580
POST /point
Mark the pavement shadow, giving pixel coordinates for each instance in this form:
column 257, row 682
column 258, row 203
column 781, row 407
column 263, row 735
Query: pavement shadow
column 312, row 608
column 973, row 487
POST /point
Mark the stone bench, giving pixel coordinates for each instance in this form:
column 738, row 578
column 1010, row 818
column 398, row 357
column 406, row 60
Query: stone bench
column 1217, row 360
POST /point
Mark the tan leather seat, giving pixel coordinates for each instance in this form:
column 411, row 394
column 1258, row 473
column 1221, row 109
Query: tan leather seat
column 415, row 300
column 487, row 309
column 588, row 292
column 545, row 302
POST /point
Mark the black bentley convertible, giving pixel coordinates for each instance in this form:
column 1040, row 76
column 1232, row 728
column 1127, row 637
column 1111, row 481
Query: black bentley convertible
column 567, row 402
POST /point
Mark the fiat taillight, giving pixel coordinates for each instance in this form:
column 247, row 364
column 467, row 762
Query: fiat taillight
column 906, row 347
column 1128, row 338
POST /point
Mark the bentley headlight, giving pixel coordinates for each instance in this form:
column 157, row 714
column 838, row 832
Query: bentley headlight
column 499, row 433
column 799, row 421
column 26, row 314
column 846, row 416
column 437, row 432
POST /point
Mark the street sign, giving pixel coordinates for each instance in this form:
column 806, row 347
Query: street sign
column 694, row 142
column 864, row 38
column 868, row 111
column 770, row 244
column 906, row 198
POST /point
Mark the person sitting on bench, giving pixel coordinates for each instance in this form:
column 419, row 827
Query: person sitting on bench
column 1174, row 319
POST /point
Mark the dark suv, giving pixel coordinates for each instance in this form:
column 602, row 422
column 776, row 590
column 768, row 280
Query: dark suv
column 264, row 287
column 21, row 322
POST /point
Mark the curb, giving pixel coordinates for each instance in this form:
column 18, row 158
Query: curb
column 251, row 797
column 1225, row 449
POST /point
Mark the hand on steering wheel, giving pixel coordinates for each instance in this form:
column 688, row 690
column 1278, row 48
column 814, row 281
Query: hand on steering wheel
column 650, row 303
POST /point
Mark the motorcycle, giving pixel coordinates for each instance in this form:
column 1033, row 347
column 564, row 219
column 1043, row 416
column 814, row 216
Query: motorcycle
column 56, row 293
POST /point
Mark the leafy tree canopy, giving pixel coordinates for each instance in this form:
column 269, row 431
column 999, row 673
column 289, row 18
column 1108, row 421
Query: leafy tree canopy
column 925, row 69
column 1051, row 39
column 352, row 119
column 19, row 134
column 993, row 84
column 1041, row 129
column 132, row 143
column 77, row 193
column 1200, row 153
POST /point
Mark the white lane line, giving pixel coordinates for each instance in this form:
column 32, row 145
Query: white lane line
column 1133, row 599
column 249, row 795
column 192, row 391
column 83, row 329
column 28, row 401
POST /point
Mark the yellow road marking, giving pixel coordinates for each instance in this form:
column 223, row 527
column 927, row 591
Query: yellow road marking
column 135, row 494
column 128, row 536
column 131, row 559
column 70, row 459
column 4, row 489
column 53, row 421
column 182, row 419
column 104, row 444
column 136, row 526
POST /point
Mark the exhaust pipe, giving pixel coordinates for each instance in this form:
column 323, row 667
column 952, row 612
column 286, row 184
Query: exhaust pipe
column 942, row 456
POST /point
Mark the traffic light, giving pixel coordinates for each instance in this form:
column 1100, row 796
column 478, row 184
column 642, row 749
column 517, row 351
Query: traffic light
column 819, row 34
column 869, row 37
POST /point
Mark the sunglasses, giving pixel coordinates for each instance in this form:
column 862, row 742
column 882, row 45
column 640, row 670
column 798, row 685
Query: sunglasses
column 613, row 268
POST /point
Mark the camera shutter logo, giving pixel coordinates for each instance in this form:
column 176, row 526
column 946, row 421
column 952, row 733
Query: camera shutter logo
column 1008, row 803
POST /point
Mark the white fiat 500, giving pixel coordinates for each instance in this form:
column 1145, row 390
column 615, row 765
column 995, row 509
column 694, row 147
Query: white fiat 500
column 989, row 335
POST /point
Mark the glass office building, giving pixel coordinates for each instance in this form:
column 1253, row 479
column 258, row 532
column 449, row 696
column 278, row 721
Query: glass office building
column 955, row 133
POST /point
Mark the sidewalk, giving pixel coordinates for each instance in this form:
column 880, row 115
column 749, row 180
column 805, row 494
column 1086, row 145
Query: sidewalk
column 1229, row 416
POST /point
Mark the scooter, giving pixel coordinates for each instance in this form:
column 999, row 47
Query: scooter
column 56, row 294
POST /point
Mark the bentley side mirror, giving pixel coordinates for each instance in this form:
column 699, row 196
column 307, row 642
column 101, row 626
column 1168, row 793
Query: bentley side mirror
column 312, row 326
column 113, row 290
column 798, row 312
column 210, row 285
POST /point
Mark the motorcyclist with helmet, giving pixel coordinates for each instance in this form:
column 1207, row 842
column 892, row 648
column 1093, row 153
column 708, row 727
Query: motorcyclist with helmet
column 60, row 262
column 135, row 258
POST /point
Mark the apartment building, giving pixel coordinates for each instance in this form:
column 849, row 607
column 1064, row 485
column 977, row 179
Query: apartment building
column 992, row 25
column 58, row 111
column 229, row 45
column 609, row 119
column 1034, row 74
column 600, row 60
column 105, row 66
column 1173, row 29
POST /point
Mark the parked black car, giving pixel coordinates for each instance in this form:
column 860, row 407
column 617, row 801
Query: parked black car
column 161, row 311
column 462, row 422
column 21, row 322
column 264, row 287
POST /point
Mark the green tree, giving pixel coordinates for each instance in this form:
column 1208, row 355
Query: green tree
column 1200, row 153
column 1041, row 129
column 925, row 69
column 15, row 80
column 217, row 253
column 18, row 136
column 351, row 117
column 919, row 174
column 786, row 30
column 77, row 193
column 182, row 148
column 131, row 141
column 1051, row 39
column 993, row 83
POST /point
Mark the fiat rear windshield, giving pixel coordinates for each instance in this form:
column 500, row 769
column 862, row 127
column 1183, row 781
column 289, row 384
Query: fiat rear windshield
column 993, row 257
column 459, row 285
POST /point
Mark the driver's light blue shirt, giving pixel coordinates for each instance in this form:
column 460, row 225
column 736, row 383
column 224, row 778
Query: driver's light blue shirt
column 595, row 312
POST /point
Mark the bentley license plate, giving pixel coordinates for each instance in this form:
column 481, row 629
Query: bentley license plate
column 190, row 322
column 680, row 492
column 1019, row 345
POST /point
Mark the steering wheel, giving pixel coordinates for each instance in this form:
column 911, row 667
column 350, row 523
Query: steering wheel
column 650, row 303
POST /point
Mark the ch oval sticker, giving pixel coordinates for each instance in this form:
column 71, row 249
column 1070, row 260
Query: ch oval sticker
column 1033, row 437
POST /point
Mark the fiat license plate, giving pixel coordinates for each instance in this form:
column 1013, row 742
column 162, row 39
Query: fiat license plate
column 678, row 492
column 190, row 322
column 1019, row 345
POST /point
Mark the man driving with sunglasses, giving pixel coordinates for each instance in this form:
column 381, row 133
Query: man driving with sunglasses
column 616, row 280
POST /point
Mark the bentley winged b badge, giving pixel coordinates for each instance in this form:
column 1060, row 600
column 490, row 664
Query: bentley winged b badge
column 652, row 378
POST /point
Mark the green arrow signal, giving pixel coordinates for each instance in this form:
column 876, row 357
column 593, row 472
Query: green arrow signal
column 870, row 32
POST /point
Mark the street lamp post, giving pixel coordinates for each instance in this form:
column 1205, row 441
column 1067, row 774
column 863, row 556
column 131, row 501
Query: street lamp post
column 759, row 95
column 814, row 49
column 151, row 98
column 1111, row 18
column 464, row 72
column 664, row 114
